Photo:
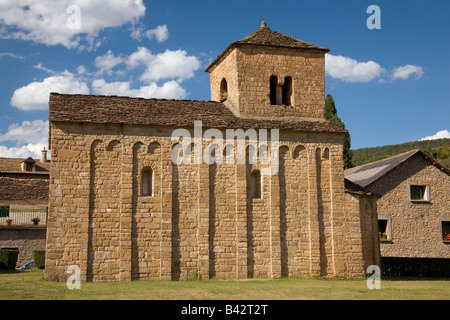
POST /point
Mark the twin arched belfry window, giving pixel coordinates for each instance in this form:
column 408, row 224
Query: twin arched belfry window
column 281, row 94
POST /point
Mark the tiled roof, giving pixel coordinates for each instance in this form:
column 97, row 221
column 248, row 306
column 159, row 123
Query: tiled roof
column 264, row 36
column 178, row 113
column 22, row 189
column 366, row 174
column 13, row 165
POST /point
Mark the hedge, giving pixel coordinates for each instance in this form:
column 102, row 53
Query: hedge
column 415, row 267
column 8, row 258
column 39, row 258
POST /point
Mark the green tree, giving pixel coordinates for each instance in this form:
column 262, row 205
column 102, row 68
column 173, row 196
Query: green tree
column 331, row 115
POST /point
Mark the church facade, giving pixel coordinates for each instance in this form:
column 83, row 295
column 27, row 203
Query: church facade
column 247, row 185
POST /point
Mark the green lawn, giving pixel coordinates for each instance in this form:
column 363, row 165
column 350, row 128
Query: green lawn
column 30, row 284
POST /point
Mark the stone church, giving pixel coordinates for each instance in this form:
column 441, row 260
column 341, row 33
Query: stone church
column 121, row 207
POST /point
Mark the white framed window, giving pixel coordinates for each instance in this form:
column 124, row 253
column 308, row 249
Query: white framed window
column 419, row 193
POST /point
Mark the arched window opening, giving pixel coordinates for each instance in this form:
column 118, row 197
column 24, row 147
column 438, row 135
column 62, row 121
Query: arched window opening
column 287, row 91
column 223, row 90
column 326, row 154
column 255, row 184
column 147, row 182
column 273, row 90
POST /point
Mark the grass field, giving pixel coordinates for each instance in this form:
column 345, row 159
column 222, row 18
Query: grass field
column 30, row 285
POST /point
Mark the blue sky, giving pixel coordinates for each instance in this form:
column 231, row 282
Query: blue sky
column 390, row 85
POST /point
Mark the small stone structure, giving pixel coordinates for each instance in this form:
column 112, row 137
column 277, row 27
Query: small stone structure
column 121, row 208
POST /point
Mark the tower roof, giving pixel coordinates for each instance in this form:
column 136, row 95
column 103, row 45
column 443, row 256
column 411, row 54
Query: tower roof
column 264, row 36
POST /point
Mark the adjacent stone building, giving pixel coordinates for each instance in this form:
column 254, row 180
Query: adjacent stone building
column 23, row 196
column 248, row 185
column 414, row 205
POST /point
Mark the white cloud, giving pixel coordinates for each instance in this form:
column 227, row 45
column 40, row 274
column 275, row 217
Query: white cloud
column 30, row 150
column 28, row 132
column 107, row 62
column 406, row 71
column 169, row 90
column 160, row 33
column 350, row 70
column 11, row 55
column 169, row 64
column 40, row 66
column 55, row 22
column 175, row 66
column 81, row 70
column 30, row 138
column 35, row 95
column 444, row 134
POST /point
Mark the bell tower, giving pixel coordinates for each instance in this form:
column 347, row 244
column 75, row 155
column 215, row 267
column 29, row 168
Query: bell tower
column 270, row 75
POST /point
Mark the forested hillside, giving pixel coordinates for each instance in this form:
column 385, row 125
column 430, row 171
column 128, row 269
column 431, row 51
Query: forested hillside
column 441, row 147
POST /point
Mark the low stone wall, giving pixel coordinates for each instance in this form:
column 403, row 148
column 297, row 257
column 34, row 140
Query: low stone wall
column 26, row 239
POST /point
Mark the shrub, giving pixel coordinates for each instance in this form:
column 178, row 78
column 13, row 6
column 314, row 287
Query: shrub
column 8, row 258
column 39, row 258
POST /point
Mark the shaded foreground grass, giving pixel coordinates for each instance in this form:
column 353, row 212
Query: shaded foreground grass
column 31, row 285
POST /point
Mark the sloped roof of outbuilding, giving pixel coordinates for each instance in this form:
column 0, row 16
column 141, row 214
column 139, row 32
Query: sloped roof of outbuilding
column 366, row 174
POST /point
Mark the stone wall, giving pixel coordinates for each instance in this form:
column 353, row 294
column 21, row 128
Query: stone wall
column 364, row 228
column 415, row 226
column 199, row 220
column 26, row 239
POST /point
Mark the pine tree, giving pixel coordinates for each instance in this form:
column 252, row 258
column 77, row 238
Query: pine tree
column 331, row 115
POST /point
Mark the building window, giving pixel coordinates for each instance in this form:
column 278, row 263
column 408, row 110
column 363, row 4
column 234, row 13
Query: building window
column 287, row 91
column 384, row 229
column 223, row 90
column 273, row 90
column 419, row 193
column 445, row 228
column 147, row 182
column 28, row 165
column 255, row 184
column 4, row 211
column 281, row 94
